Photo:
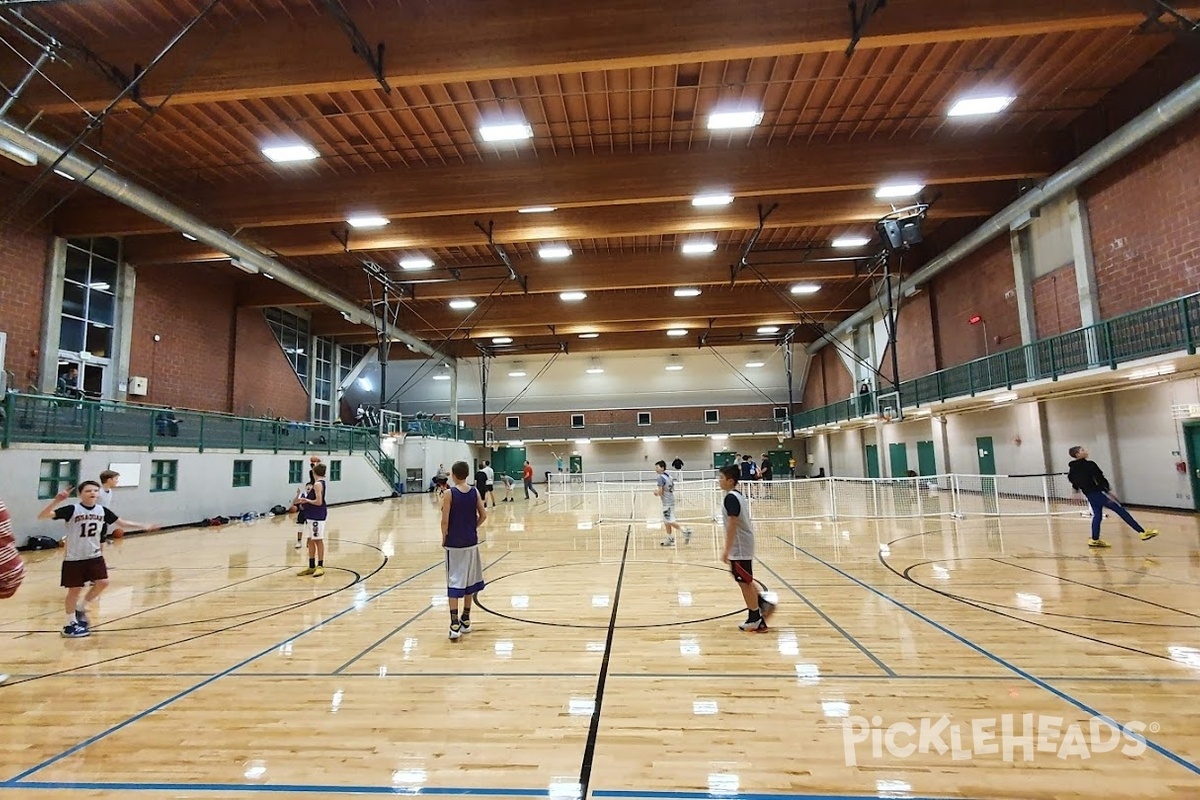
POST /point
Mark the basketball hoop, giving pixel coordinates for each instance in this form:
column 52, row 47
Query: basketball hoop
column 889, row 414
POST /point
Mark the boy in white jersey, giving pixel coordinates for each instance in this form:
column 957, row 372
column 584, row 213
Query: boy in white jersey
column 108, row 481
column 738, row 552
column 665, row 489
column 86, row 522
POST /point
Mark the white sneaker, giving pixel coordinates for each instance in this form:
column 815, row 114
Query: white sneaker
column 667, row 542
column 299, row 545
column 466, row 626
column 455, row 630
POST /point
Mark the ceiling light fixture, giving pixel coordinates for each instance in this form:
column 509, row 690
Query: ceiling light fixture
column 510, row 132
column 806, row 288
column 698, row 248
column 1006, row 397
column 367, row 221
column 766, row 329
column 517, row 373
column 891, row 191
column 572, row 297
column 687, row 292
column 730, row 120
column 850, row 241
column 554, row 252
column 414, row 263
column 462, row 304
column 677, row 332
column 189, row 237
column 62, row 174
column 589, row 335
column 753, row 364
column 501, row 340
column 287, row 153
column 536, row 210
column 980, row 106
column 594, row 368
column 441, row 376
column 709, row 200
column 674, row 367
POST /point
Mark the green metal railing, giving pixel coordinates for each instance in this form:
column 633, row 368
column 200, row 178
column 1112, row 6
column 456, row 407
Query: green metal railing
column 437, row 429
column 1165, row 328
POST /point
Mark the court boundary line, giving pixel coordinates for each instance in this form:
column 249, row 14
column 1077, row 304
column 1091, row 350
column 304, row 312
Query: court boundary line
column 15, row 781
column 1098, row 588
column 1036, row 681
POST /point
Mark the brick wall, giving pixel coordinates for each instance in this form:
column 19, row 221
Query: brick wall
column 189, row 366
column 1145, row 221
column 982, row 284
column 1056, row 302
column 263, row 379
column 914, row 332
column 24, row 249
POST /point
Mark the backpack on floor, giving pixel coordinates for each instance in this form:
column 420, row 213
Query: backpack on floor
column 40, row 543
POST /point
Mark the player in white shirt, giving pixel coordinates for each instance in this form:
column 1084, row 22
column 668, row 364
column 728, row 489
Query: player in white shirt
column 86, row 521
column 108, row 481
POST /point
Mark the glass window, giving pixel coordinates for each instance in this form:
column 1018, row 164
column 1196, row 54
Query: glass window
column 241, row 473
column 335, row 470
column 295, row 471
column 77, row 264
column 163, row 475
column 56, row 475
column 74, row 299
column 102, row 306
column 292, row 333
column 70, row 334
column 106, row 248
column 99, row 340
column 103, row 272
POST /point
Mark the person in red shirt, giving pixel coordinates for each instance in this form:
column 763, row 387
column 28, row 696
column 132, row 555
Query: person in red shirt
column 528, row 476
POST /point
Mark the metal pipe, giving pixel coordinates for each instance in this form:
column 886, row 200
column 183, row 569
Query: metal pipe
column 1172, row 109
column 109, row 183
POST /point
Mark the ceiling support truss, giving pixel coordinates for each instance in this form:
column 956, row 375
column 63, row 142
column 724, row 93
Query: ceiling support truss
column 371, row 56
column 1175, row 22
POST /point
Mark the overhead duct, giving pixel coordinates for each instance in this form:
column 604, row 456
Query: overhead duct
column 1172, row 109
column 246, row 258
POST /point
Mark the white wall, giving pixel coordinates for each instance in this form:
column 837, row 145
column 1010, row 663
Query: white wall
column 617, row 456
column 1077, row 420
column 204, row 487
column 1004, row 424
column 846, row 459
column 909, row 432
column 1150, row 443
column 425, row 454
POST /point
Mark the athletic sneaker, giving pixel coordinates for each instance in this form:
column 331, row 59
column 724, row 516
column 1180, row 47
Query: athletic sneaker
column 299, row 544
column 762, row 626
column 766, row 608
column 81, row 617
column 75, row 631
column 3, row 677
column 667, row 542
column 1098, row 543
column 1149, row 533
column 318, row 572
column 455, row 629
column 687, row 535
column 466, row 625
column 306, row 571
column 752, row 624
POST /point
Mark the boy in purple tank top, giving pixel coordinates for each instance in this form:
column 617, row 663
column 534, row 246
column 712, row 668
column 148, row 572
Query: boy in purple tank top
column 462, row 514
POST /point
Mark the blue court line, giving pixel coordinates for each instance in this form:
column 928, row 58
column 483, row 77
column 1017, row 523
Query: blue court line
column 1082, row 706
column 180, row 695
column 249, row 788
column 887, row 670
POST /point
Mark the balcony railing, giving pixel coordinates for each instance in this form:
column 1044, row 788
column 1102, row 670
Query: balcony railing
column 436, row 429
column 631, row 430
column 1165, row 328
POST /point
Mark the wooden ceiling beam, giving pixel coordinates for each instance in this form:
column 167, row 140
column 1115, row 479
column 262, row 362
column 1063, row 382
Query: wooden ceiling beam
column 256, row 58
column 570, row 181
column 858, row 208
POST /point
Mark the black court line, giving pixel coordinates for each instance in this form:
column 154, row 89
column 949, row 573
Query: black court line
column 887, row 670
column 1100, row 589
column 589, row 750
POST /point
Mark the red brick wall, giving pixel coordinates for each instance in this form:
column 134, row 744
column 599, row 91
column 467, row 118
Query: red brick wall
column 914, row 332
column 263, row 379
column 1144, row 214
column 814, row 383
column 828, row 380
column 189, row 366
column 1056, row 303
column 24, row 249
column 983, row 284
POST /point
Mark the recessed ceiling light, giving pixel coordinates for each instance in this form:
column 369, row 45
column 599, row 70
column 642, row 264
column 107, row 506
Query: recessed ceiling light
column 698, row 248
column 674, row 367
column 415, row 263
column 769, row 329
column 702, row 200
column 554, row 251
column 595, row 370
column 677, row 332
column 806, row 288
column 572, row 297
column 505, row 133
column 367, row 221
column 517, row 373
column 893, row 190
column 978, row 106
column 441, row 376
column 461, row 304
column 687, row 292
column 536, row 210
column 588, row 335
column 753, row 364
column 282, row 154
column 851, row 241
column 726, row 120
column 189, row 237
column 501, row 340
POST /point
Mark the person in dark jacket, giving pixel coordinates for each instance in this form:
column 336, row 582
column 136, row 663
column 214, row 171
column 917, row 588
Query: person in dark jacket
column 1086, row 477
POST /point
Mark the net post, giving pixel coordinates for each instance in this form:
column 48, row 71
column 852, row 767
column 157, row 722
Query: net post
column 832, row 498
column 1046, row 493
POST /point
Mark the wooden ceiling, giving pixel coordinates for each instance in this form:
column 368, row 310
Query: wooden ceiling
column 617, row 93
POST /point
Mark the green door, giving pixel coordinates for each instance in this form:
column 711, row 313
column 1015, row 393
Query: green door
column 987, row 456
column 576, row 465
column 872, row 453
column 898, row 459
column 779, row 462
column 926, row 461
column 509, row 461
column 723, row 457
column 1191, row 432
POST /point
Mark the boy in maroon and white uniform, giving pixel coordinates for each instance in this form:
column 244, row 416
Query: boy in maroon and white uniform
column 12, row 568
column 87, row 521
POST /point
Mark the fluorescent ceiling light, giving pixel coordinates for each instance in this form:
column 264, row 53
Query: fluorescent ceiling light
column 583, row 441
column 595, row 370
column 554, row 251
column 517, row 373
column 753, row 364
column 416, row 263
column 698, row 248
column 104, row 287
column 588, row 335
column 536, row 210
column 978, row 106
column 26, row 158
column 501, row 340
column 718, row 436
column 769, row 329
column 441, row 376
column 687, row 292
column 894, row 190
column 1007, row 397
column 461, row 304
column 703, row 200
column 572, row 297
column 851, row 241
column 674, row 367
column 62, row 174
column 727, row 120
column 1151, row 372
column 506, row 133
column 806, row 288
column 189, row 237
column 677, row 332
column 649, row 438
column 367, row 221
column 283, row 154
